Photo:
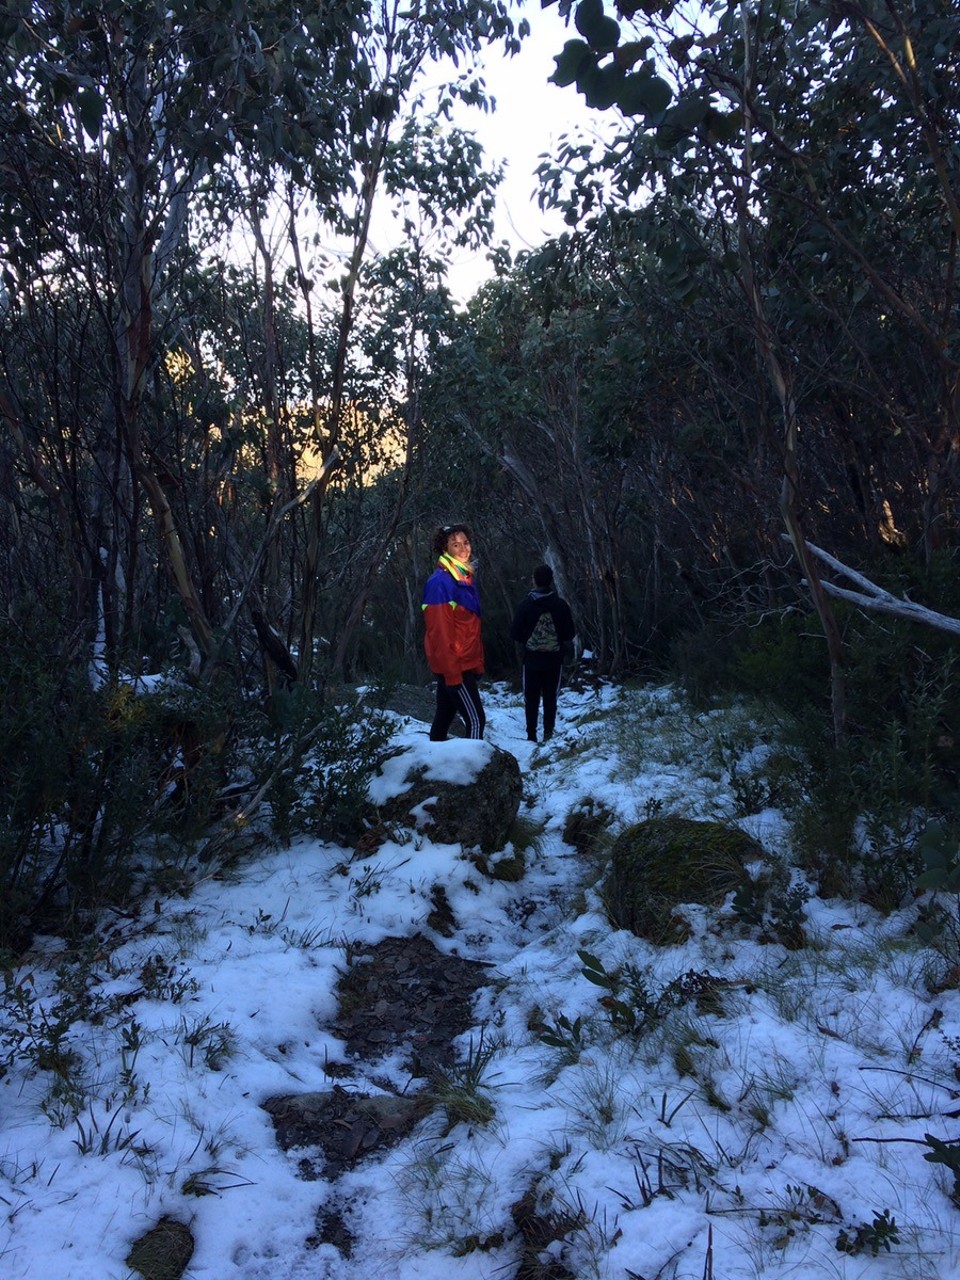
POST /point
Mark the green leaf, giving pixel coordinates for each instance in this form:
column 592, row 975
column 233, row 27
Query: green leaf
column 722, row 126
column 643, row 94
column 602, row 33
column 575, row 54
column 634, row 51
column 687, row 114
column 91, row 109
column 594, row 971
column 679, row 49
column 601, row 86
column 598, row 979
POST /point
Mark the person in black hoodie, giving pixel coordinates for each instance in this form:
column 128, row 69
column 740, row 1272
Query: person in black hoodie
column 543, row 625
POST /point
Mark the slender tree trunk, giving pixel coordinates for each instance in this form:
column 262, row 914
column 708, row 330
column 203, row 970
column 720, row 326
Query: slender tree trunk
column 386, row 535
column 330, row 445
column 781, row 380
column 280, row 482
column 135, row 344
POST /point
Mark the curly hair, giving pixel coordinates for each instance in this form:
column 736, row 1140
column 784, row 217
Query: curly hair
column 442, row 536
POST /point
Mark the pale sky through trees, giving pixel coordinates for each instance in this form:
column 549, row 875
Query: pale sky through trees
column 531, row 115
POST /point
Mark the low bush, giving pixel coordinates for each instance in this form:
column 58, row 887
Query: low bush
column 858, row 807
column 107, row 786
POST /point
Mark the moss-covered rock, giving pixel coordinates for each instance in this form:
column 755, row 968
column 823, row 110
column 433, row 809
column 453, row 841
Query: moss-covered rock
column 163, row 1252
column 666, row 861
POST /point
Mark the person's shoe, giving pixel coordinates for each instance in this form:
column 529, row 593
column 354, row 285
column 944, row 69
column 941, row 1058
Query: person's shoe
column 531, row 737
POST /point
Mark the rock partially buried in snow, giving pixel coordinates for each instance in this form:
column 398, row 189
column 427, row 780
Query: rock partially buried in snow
column 163, row 1252
column 458, row 792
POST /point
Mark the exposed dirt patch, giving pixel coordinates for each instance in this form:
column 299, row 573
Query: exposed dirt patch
column 404, row 993
column 332, row 1229
column 401, row 993
column 344, row 1126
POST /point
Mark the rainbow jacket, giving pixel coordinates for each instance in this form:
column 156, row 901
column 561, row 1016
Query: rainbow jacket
column 451, row 611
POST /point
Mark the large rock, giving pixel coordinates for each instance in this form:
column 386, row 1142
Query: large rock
column 478, row 813
column 664, row 862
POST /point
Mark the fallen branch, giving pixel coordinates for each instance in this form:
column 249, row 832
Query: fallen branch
column 870, row 596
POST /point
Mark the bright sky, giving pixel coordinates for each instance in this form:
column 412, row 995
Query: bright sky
column 735, row 1144
column 531, row 115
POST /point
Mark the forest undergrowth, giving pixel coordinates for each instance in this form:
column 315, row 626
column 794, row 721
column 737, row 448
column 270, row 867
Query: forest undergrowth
column 774, row 1087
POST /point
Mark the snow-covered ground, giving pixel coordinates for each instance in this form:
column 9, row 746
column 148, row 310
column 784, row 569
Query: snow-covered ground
column 749, row 1139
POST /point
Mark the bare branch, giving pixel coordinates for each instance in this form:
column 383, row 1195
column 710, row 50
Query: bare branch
column 871, row 596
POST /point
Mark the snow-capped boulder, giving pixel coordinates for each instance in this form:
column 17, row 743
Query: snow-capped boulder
column 457, row 792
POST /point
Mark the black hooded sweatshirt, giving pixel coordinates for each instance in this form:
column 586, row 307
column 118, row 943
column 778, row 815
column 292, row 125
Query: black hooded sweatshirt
column 544, row 625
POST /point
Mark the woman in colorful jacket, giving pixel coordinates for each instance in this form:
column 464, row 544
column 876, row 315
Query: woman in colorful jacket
column 451, row 611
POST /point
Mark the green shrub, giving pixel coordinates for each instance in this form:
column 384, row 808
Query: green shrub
column 96, row 783
column 702, row 662
column 858, row 813
column 104, row 788
column 44, row 714
column 858, row 824
column 870, row 1237
column 323, row 754
column 782, row 661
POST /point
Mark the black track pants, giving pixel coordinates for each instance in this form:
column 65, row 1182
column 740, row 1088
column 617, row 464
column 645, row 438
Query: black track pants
column 458, row 700
column 541, row 683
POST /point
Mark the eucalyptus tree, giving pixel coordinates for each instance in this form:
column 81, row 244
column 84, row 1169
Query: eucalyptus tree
column 443, row 196
column 132, row 133
column 402, row 143
column 807, row 152
column 115, row 116
column 548, row 392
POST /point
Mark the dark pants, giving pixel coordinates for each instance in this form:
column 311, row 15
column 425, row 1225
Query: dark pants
column 458, row 700
column 541, row 683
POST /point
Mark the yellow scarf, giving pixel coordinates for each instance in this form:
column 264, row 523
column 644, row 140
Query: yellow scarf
column 462, row 572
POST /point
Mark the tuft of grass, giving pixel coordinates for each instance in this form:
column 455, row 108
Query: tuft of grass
column 588, row 1240
column 311, row 938
column 544, row 1223
column 91, row 1139
column 526, row 836
column 778, row 1083
column 447, row 1190
column 588, row 827
column 213, row 1181
column 462, row 1091
column 598, row 1100
column 206, row 1041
